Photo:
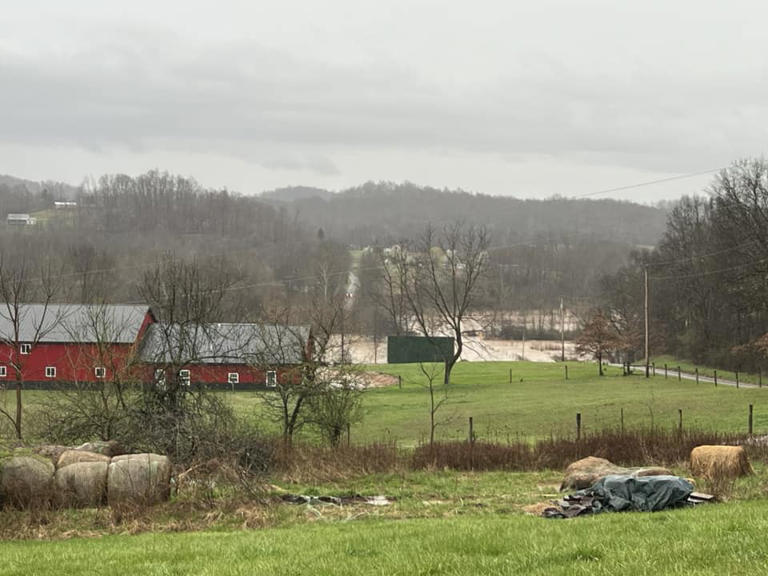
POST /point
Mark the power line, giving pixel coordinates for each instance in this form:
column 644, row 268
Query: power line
column 711, row 272
column 706, row 255
column 649, row 183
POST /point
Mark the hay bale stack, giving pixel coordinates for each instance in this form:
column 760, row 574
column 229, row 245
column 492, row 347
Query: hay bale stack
column 651, row 471
column 110, row 448
column 26, row 481
column 585, row 472
column 73, row 456
column 51, row 451
column 720, row 462
column 82, row 484
column 139, row 479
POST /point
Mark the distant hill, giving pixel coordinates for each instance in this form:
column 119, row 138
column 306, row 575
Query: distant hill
column 20, row 195
column 295, row 193
column 383, row 212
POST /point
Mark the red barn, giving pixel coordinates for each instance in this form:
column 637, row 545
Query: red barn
column 68, row 342
column 226, row 355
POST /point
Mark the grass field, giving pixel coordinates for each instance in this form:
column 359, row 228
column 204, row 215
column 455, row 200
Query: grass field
column 439, row 521
column 718, row 539
column 690, row 367
column 539, row 402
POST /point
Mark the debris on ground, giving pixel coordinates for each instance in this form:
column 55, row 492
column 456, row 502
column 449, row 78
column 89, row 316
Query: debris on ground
column 720, row 462
column 337, row 500
column 623, row 493
column 585, row 472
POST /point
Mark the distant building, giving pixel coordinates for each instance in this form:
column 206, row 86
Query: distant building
column 68, row 342
column 20, row 219
column 215, row 355
column 88, row 344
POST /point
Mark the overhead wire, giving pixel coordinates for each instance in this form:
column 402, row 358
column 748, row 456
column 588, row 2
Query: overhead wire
column 649, row 183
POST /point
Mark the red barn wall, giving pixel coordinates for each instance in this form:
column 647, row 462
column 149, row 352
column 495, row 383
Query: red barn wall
column 73, row 362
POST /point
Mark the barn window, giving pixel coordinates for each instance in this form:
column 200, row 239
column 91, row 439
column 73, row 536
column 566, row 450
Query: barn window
column 25, row 348
column 100, row 372
column 184, row 377
column 233, row 378
column 271, row 378
column 3, row 371
column 50, row 371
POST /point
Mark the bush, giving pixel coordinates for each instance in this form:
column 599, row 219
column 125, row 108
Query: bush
column 629, row 448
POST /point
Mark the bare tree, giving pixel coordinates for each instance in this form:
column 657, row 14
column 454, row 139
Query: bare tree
column 441, row 280
column 598, row 338
column 388, row 290
column 22, row 325
column 438, row 394
column 189, row 298
column 101, row 406
column 285, row 345
column 336, row 403
column 294, row 397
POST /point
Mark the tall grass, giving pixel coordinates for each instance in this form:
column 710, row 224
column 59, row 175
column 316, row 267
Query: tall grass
column 642, row 447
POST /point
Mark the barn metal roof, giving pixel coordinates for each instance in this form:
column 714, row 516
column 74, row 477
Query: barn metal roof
column 257, row 344
column 72, row 323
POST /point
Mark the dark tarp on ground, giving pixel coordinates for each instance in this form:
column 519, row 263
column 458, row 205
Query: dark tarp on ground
column 619, row 493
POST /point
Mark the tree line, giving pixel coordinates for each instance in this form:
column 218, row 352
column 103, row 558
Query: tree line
column 706, row 277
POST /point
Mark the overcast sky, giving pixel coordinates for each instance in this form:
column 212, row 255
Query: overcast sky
column 526, row 98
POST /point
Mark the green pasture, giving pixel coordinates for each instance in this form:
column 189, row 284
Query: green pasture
column 537, row 402
column 691, row 367
column 714, row 539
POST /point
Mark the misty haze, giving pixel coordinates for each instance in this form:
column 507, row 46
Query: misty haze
column 383, row 288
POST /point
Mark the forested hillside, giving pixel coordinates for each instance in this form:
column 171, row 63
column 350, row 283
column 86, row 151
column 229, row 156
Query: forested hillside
column 707, row 277
column 278, row 244
column 384, row 213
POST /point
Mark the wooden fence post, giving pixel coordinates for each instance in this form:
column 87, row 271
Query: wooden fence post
column 653, row 365
column 715, row 372
column 680, row 420
column 750, row 419
column 665, row 371
column 471, row 431
column 737, row 378
column 510, row 375
column 679, row 374
column 349, row 433
column 697, row 375
column 566, row 371
column 578, row 426
column 399, row 381
column 760, row 377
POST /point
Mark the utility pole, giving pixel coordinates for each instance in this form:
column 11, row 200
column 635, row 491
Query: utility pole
column 562, row 331
column 647, row 356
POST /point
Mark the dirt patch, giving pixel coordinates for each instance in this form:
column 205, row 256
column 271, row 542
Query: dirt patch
column 537, row 509
column 379, row 379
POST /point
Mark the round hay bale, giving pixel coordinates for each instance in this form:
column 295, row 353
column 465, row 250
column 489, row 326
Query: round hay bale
column 651, row 471
column 82, row 484
column 139, row 479
column 73, row 456
column 26, row 481
column 585, row 472
column 109, row 448
column 719, row 462
column 51, row 451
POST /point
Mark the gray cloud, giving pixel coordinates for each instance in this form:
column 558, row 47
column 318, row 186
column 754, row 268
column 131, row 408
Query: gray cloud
column 620, row 94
